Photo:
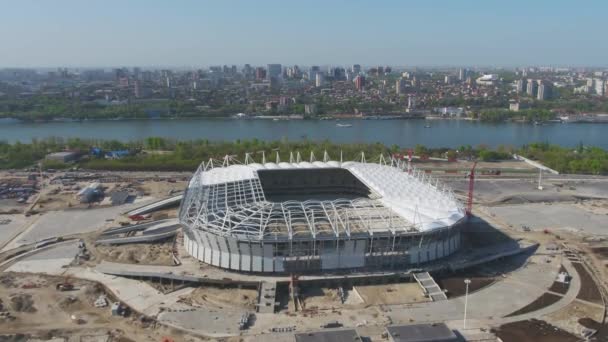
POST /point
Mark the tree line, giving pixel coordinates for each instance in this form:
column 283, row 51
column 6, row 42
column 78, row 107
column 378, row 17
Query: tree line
column 161, row 154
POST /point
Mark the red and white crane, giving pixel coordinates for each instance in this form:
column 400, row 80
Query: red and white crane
column 471, row 188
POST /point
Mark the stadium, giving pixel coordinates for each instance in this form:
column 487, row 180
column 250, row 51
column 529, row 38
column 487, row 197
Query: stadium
column 315, row 216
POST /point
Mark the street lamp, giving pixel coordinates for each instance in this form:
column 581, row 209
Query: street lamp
column 466, row 297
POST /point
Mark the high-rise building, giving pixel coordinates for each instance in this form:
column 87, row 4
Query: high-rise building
column 360, row 83
column 136, row 73
column 544, row 90
column 520, row 86
column 310, row 109
column 312, row 72
column 356, row 69
column 274, row 83
column 411, row 102
column 415, row 82
column 339, row 74
column 319, row 79
column 247, row 70
column 260, row 73
column 599, row 86
column 137, row 88
column 274, row 70
column 399, row 86
column 462, row 74
column 380, row 70
column 532, row 88
column 448, row 79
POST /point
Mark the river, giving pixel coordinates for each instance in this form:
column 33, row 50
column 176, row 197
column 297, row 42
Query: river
column 407, row 133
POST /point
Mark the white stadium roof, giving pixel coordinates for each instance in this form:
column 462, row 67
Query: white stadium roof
column 230, row 200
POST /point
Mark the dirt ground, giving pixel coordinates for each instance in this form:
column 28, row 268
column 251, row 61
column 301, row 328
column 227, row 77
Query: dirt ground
column 160, row 189
column 217, row 297
column 543, row 301
column 42, row 311
column 533, row 331
column 136, row 253
column 401, row 293
column 319, row 298
column 503, row 164
column 455, row 287
column 589, row 290
column 568, row 318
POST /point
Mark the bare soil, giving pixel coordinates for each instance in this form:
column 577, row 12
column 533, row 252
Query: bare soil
column 601, row 252
column 541, row 302
column 602, row 329
column 222, row 297
column 454, row 284
column 400, row 293
column 145, row 254
column 589, row 290
column 38, row 310
column 533, row 331
column 568, row 317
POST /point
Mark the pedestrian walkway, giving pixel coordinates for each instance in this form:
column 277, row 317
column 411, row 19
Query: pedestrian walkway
column 429, row 286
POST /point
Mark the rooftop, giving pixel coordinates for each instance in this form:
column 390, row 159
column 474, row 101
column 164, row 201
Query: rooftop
column 318, row 198
column 343, row 335
column 436, row 332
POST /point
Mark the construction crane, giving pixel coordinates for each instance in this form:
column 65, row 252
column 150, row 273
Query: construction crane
column 471, row 188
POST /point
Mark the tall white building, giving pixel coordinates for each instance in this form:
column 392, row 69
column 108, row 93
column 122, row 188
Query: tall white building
column 462, row 74
column 544, row 90
column 411, row 102
column 399, row 86
column 319, row 80
column 599, row 86
column 520, row 86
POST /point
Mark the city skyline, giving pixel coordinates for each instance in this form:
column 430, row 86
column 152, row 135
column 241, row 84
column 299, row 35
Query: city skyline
column 437, row 33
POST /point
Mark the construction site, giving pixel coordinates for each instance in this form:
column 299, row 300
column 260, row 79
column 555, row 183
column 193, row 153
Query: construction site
column 111, row 256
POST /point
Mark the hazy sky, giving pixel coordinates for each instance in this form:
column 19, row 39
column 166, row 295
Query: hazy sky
column 198, row 32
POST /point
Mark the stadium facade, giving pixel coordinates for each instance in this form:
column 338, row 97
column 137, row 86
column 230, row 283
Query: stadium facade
column 314, row 216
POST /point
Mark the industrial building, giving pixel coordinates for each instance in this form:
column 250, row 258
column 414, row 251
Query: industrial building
column 64, row 157
column 436, row 332
column 310, row 216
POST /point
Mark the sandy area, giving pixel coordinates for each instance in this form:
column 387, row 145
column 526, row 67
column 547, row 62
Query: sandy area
column 392, row 293
column 37, row 309
column 320, row 298
column 208, row 296
column 147, row 254
column 568, row 317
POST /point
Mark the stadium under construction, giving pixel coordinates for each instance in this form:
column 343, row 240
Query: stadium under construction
column 310, row 216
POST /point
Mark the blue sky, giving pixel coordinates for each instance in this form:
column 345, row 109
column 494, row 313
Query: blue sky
column 198, row 32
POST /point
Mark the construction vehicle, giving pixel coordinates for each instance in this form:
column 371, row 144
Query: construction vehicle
column 64, row 287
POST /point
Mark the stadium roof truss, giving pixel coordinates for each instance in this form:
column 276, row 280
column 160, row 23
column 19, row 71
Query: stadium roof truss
column 229, row 200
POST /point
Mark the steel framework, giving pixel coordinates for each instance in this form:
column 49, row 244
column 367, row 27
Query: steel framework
column 225, row 197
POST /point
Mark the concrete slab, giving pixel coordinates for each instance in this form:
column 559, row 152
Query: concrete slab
column 10, row 230
column 51, row 261
column 208, row 321
column 61, row 223
column 138, row 295
column 517, row 290
column 539, row 216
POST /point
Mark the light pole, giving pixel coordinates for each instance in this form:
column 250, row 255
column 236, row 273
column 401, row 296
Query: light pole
column 466, row 298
